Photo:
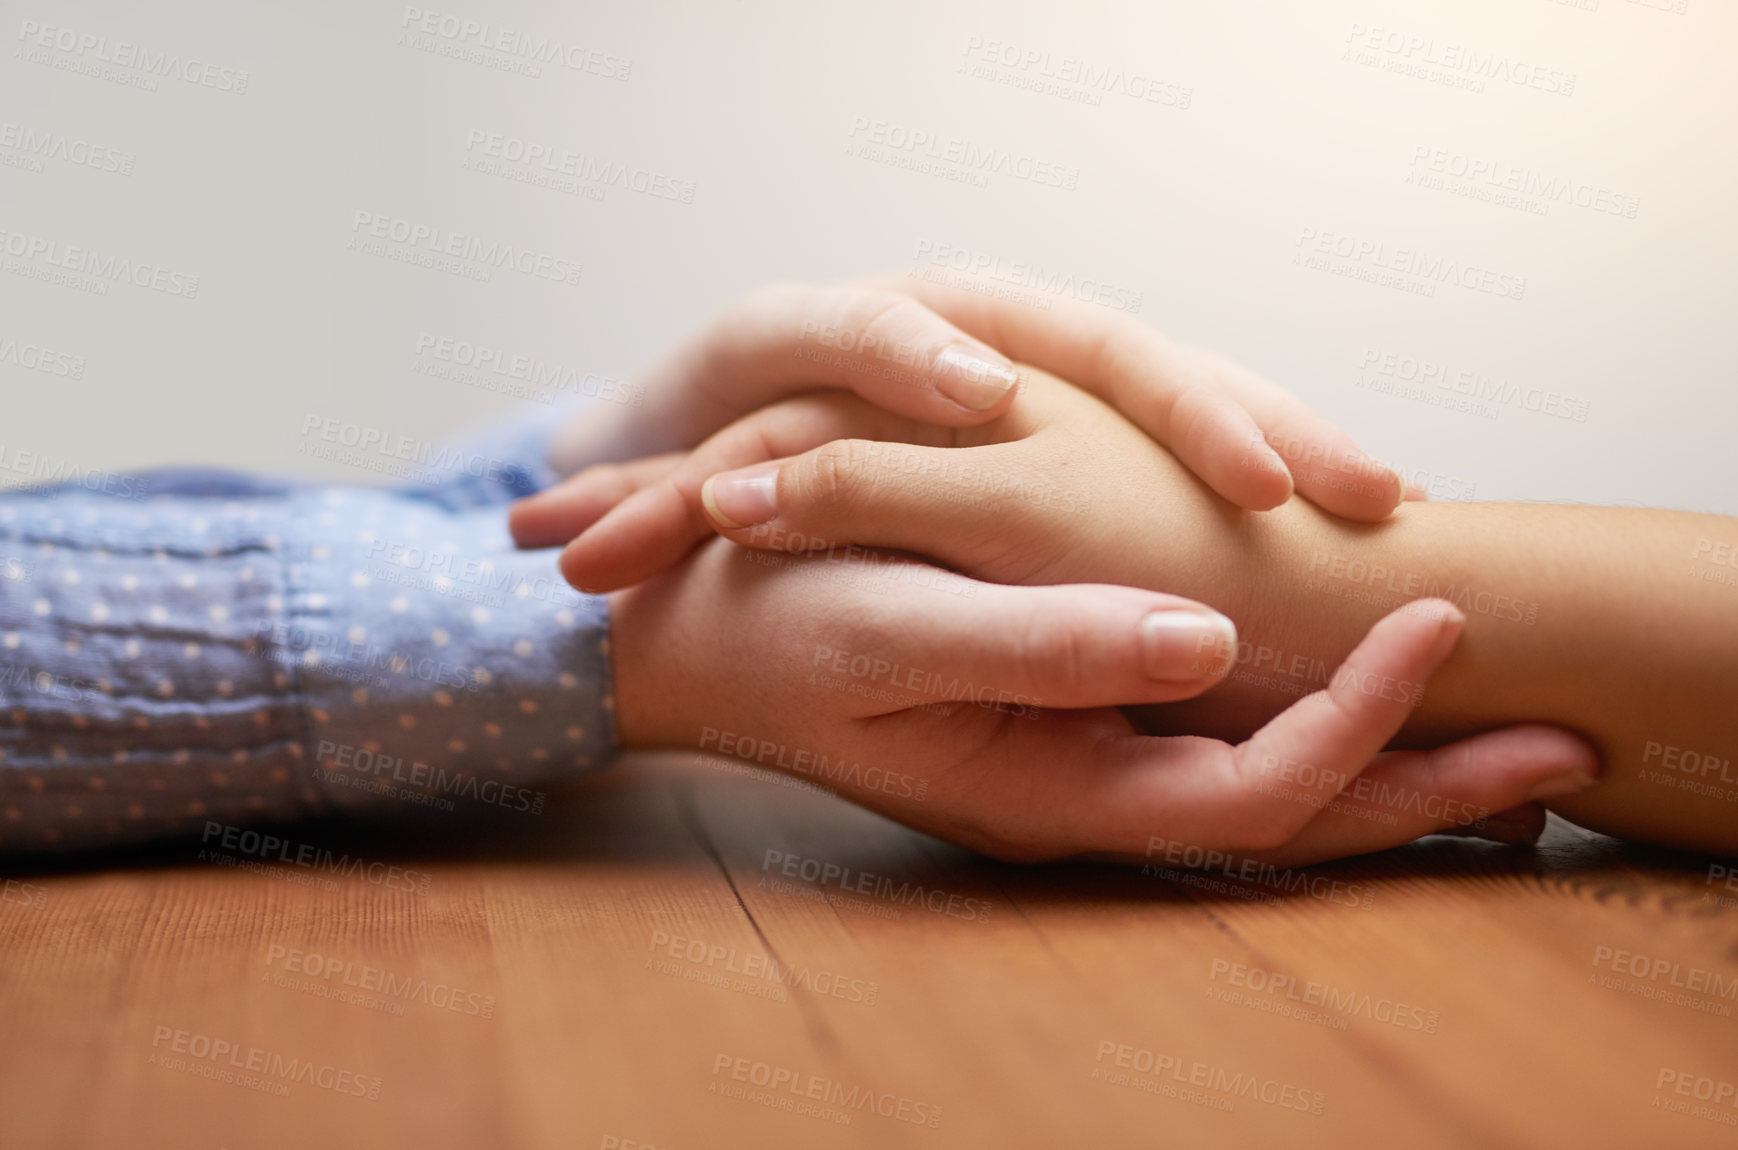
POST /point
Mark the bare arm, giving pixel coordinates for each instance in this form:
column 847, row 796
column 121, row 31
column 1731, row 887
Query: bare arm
column 1610, row 621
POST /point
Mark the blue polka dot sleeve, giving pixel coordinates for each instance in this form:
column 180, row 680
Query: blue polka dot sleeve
column 198, row 648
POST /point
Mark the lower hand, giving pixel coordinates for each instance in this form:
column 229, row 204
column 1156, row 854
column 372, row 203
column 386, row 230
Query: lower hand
column 1037, row 763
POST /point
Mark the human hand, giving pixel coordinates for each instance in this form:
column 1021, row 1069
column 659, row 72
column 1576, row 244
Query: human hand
column 1059, row 488
column 931, row 354
column 1039, row 764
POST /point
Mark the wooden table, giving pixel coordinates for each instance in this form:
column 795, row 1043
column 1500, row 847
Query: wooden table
column 686, row 954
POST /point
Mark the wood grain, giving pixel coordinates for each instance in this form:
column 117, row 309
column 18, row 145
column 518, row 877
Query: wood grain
column 1443, row 995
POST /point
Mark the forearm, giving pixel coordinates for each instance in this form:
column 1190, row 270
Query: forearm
column 1599, row 619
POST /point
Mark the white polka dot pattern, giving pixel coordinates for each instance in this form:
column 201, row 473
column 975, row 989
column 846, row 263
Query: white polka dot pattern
column 236, row 650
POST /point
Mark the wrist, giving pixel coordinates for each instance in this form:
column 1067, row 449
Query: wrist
column 633, row 673
column 1293, row 629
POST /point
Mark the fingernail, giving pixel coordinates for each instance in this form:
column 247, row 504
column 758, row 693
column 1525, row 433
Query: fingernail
column 1185, row 646
column 971, row 378
column 1564, row 782
column 741, row 498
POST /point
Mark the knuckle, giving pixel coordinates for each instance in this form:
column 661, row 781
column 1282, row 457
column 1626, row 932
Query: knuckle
column 1008, row 840
column 1052, row 653
column 606, row 479
column 839, row 476
column 1263, row 830
column 1263, row 817
column 893, row 323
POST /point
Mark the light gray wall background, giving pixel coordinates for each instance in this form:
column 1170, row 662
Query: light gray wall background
column 1301, row 120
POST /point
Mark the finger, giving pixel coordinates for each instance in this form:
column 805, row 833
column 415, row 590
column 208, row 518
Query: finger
column 1318, row 746
column 1485, row 785
column 659, row 524
column 1258, row 796
column 932, row 500
column 1327, row 466
column 1216, row 416
column 782, row 340
column 559, row 513
column 1020, row 648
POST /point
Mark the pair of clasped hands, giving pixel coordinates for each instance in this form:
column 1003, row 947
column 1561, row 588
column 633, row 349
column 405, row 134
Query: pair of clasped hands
column 844, row 523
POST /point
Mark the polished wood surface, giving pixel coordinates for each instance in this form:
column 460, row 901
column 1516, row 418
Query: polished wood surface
column 687, row 954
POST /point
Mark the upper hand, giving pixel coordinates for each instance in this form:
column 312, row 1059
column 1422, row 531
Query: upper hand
column 941, row 357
